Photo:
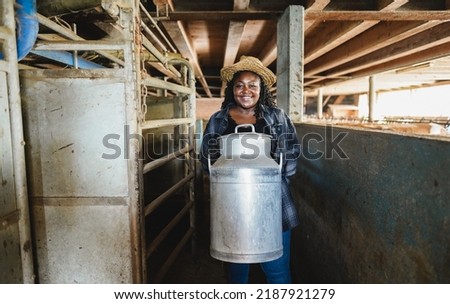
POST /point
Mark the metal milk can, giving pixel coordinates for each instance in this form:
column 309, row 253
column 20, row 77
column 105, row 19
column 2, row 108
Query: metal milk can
column 245, row 185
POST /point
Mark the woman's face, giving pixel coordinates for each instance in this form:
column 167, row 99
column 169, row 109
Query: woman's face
column 246, row 89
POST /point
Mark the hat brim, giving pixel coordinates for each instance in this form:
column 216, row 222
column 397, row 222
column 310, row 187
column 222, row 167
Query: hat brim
column 249, row 64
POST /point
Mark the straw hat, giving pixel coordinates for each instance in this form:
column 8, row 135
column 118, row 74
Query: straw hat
column 248, row 63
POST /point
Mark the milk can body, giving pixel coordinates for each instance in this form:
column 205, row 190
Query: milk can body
column 245, row 185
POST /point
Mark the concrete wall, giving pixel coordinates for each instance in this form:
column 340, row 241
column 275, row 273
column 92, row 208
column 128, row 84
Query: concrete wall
column 79, row 198
column 377, row 211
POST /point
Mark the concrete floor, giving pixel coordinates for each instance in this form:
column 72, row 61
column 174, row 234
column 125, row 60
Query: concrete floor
column 197, row 266
column 200, row 268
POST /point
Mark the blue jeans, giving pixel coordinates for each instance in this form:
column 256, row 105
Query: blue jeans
column 276, row 271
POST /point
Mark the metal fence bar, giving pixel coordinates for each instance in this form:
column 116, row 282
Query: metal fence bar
column 163, row 160
column 186, row 121
column 151, row 124
column 160, row 199
column 162, row 58
column 84, row 45
column 71, row 35
column 163, row 234
column 155, row 25
column 166, row 266
column 161, row 84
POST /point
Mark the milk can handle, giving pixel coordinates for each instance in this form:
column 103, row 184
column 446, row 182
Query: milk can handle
column 209, row 164
column 244, row 126
column 280, row 165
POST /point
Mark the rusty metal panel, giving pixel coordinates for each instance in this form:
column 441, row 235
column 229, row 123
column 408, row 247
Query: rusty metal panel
column 80, row 199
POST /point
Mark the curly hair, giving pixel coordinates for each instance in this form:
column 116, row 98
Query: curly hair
column 265, row 97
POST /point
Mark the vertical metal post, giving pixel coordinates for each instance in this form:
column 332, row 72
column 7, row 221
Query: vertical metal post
column 132, row 99
column 192, row 113
column 75, row 53
column 191, row 142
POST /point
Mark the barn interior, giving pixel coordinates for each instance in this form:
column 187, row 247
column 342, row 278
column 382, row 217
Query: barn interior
column 103, row 106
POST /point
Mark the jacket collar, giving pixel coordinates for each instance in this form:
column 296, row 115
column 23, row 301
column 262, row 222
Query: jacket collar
column 224, row 112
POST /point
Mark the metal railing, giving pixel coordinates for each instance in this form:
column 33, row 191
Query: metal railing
column 182, row 120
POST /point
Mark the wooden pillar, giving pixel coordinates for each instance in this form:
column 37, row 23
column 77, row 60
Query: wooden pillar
column 290, row 50
column 319, row 103
column 372, row 97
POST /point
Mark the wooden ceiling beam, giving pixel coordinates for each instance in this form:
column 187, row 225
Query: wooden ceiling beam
column 314, row 15
column 235, row 32
column 317, row 4
column 314, row 5
column 397, row 56
column 390, row 4
column 410, row 15
column 224, row 15
column 269, row 54
column 393, row 80
column 234, row 38
column 428, row 54
column 426, row 40
column 332, row 36
column 177, row 32
column 240, row 5
column 377, row 37
column 336, row 35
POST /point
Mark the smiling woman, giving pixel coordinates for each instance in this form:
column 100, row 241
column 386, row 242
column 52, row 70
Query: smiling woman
column 249, row 101
column 246, row 90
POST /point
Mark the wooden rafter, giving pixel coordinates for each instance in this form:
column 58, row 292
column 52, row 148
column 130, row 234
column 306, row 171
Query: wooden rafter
column 376, row 38
column 390, row 15
column 390, row 4
column 269, row 54
column 342, row 39
column 317, row 5
column 333, row 36
column 176, row 31
column 429, row 39
column 235, row 32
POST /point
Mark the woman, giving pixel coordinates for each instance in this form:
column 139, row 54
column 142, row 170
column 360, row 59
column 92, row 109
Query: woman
column 249, row 101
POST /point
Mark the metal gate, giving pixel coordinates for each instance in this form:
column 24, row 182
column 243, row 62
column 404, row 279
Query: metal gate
column 16, row 260
column 89, row 217
column 168, row 121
